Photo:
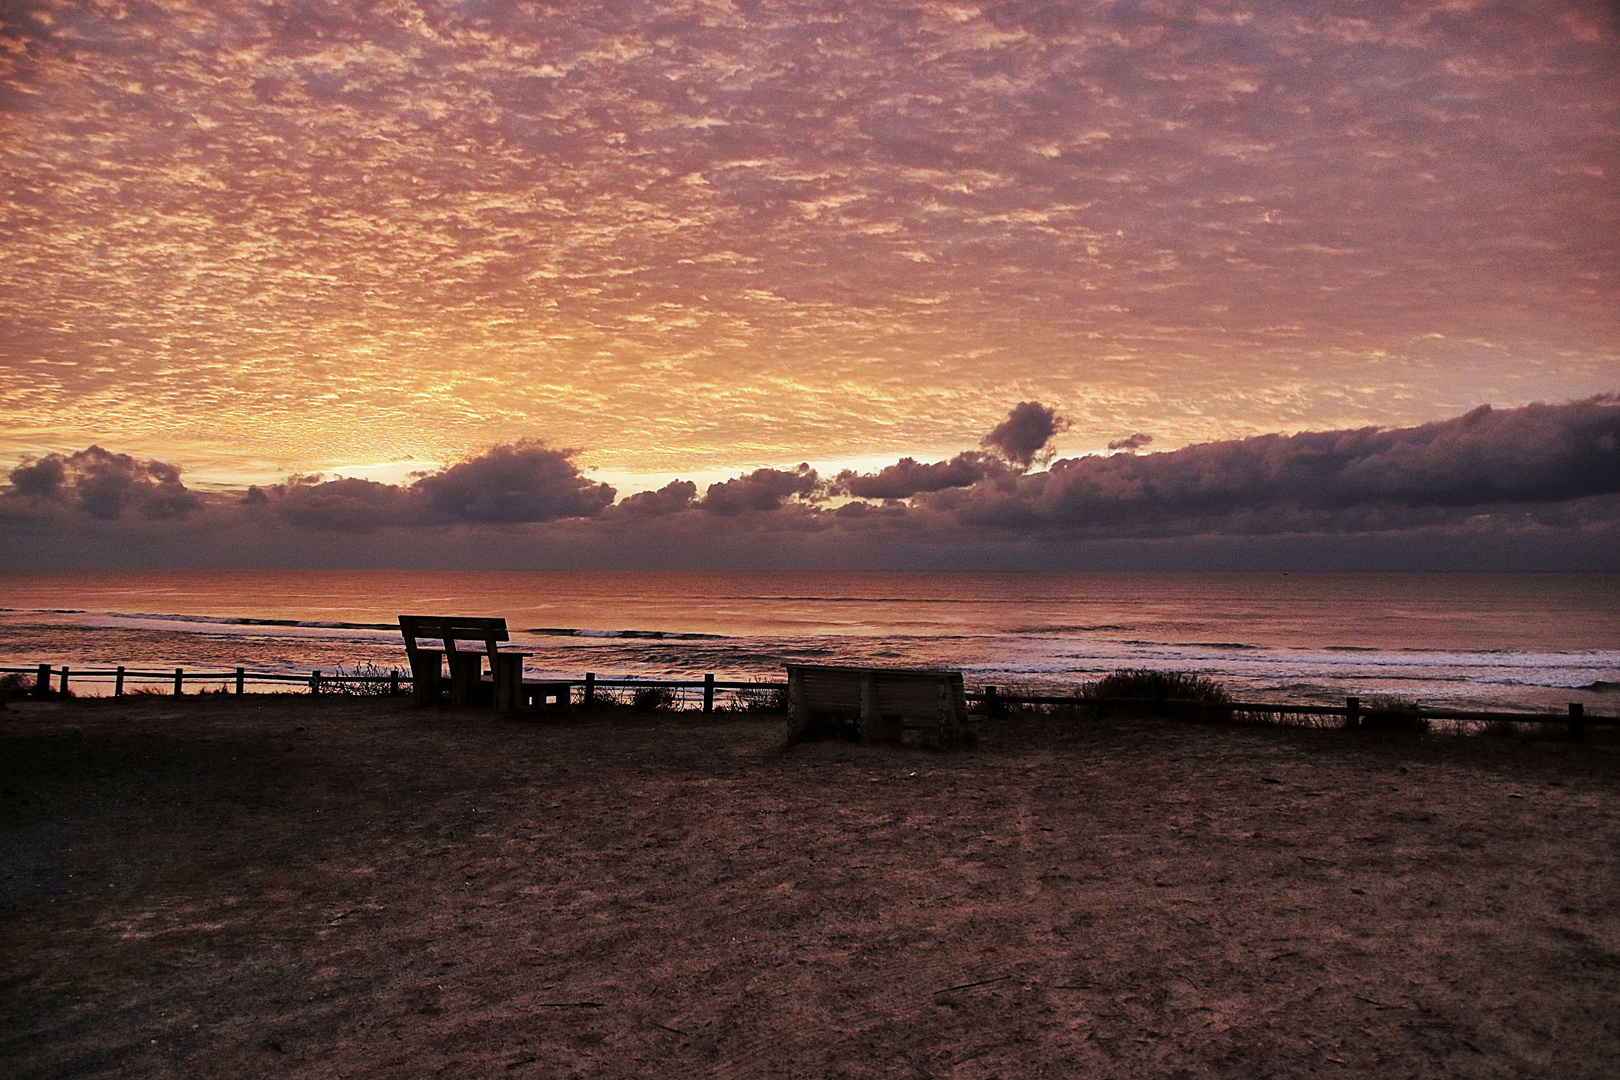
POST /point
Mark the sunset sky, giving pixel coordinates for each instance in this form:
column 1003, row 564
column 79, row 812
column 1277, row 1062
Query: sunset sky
column 689, row 240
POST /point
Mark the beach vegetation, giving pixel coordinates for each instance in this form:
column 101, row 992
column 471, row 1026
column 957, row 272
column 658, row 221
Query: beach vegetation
column 763, row 698
column 1554, row 729
column 1392, row 713
column 653, row 699
column 1194, row 696
column 362, row 680
column 14, row 686
column 1159, row 686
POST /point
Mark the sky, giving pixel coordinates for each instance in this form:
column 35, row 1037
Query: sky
column 628, row 245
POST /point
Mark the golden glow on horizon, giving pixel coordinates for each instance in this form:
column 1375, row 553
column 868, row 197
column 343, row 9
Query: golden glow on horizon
column 257, row 241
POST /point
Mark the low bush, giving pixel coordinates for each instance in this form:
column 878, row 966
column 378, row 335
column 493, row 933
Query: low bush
column 1388, row 713
column 14, row 686
column 653, row 699
column 1159, row 685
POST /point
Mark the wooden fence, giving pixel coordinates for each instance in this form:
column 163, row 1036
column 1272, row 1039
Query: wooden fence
column 1355, row 714
column 49, row 680
column 990, row 700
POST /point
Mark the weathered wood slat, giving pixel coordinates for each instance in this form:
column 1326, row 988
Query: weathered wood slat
column 879, row 701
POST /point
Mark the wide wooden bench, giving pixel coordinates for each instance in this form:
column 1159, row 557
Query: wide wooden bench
column 466, row 665
column 878, row 705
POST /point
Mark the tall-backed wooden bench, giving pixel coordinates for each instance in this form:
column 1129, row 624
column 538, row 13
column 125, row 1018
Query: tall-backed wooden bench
column 466, row 666
column 878, row 705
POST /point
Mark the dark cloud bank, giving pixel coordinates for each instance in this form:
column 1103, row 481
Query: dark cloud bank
column 1535, row 488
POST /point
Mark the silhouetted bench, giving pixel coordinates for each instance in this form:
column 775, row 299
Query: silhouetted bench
column 877, row 705
column 466, row 666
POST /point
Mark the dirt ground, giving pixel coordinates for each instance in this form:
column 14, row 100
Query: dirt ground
column 301, row 887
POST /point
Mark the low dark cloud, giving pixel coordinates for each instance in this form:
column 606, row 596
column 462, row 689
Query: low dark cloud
column 343, row 504
column 1537, row 454
column 522, row 482
column 1493, row 486
column 1024, row 434
column 515, row 483
column 1131, row 443
column 908, row 477
column 673, row 497
column 41, row 478
column 103, row 484
column 762, row 489
column 1020, row 439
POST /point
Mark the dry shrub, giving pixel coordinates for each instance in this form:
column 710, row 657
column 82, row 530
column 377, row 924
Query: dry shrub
column 362, row 680
column 760, row 699
column 14, row 686
column 1389, row 713
column 1160, row 686
column 653, row 699
column 1205, row 695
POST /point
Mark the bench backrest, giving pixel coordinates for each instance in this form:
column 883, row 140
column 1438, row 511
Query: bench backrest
column 879, row 699
column 451, row 629
column 909, row 692
column 830, row 691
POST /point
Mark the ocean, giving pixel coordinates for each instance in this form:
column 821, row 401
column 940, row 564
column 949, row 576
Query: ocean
column 1460, row 640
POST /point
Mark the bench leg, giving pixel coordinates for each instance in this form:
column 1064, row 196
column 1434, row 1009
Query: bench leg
column 507, row 674
column 465, row 671
column 427, row 673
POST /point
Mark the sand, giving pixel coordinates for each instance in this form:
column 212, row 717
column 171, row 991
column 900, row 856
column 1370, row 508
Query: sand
column 288, row 886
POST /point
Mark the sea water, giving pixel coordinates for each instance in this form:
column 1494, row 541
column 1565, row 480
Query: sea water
column 1463, row 640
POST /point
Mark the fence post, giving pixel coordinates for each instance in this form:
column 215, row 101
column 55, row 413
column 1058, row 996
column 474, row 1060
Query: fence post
column 315, row 683
column 42, row 684
column 179, row 679
column 590, row 689
column 118, row 683
column 1352, row 712
column 992, row 707
column 1577, row 721
column 64, row 680
column 393, row 682
column 240, row 678
column 708, row 693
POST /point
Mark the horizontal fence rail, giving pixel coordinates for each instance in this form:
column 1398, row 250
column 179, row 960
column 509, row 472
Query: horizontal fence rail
column 318, row 681
column 1355, row 713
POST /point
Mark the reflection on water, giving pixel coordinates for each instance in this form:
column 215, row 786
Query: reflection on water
column 1454, row 638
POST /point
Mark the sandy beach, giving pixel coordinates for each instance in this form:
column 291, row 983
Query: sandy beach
column 294, row 886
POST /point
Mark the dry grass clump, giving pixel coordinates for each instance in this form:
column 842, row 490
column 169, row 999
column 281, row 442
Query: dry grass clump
column 362, row 680
column 1196, row 696
column 14, row 687
column 764, row 698
column 1177, row 693
column 1390, row 713
column 1541, row 731
column 1160, row 686
column 653, row 699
